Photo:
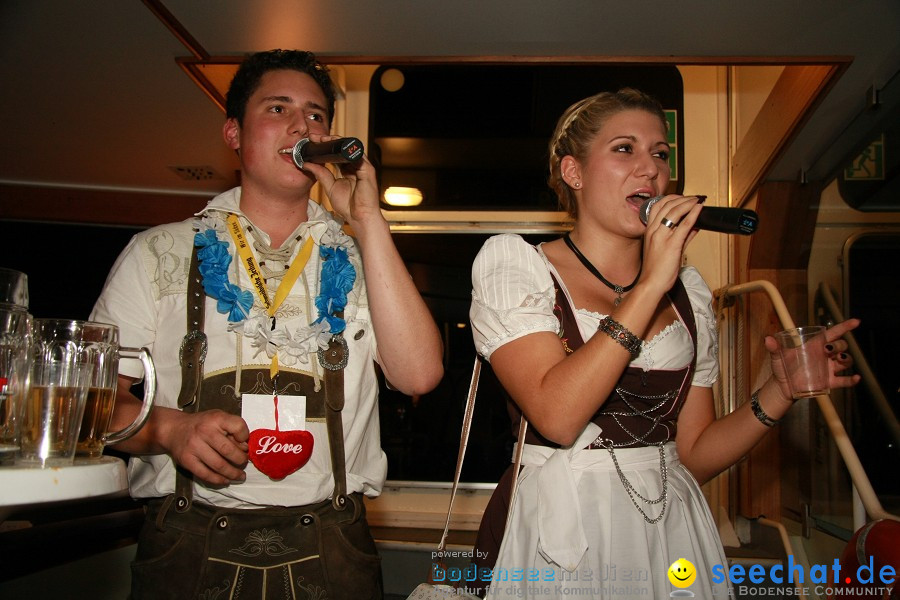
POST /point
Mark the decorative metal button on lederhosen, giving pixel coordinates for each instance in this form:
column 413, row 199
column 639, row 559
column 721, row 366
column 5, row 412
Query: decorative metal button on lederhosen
column 191, row 355
column 188, row 349
column 334, row 358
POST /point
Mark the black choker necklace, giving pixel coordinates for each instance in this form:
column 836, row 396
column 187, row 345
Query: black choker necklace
column 618, row 289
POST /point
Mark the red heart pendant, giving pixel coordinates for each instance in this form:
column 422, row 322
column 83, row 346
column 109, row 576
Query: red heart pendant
column 279, row 453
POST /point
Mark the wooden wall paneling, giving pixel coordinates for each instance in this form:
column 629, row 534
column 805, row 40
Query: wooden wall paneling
column 104, row 207
column 775, row 475
column 797, row 91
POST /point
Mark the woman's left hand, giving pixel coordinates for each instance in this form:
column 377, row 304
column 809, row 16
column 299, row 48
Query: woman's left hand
column 838, row 358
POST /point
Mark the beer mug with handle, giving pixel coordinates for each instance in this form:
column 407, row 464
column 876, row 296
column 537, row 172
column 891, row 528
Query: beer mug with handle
column 58, row 375
column 101, row 344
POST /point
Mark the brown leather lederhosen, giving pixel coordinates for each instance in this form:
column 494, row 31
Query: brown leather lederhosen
column 493, row 521
column 322, row 550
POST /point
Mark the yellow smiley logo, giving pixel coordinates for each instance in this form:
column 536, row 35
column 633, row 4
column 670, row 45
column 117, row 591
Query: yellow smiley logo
column 682, row 573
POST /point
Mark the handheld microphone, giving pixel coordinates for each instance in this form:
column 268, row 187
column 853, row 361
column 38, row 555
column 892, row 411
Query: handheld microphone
column 714, row 218
column 342, row 150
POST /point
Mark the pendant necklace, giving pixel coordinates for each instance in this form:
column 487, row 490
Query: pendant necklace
column 618, row 289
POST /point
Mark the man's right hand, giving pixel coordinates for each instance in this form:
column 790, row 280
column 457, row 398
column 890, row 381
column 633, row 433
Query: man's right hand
column 211, row 444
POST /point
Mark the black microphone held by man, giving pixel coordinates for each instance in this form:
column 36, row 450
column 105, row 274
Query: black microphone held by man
column 714, row 218
column 341, row 150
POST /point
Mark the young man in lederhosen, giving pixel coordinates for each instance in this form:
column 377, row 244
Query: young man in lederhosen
column 265, row 319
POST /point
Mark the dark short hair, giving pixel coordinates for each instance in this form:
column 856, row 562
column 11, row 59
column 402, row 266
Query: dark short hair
column 250, row 73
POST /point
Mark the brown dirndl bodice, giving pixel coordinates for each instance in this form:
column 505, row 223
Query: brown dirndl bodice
column 644, row 403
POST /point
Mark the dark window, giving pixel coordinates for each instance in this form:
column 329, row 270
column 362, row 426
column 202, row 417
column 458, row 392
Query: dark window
column 66, row 263
column 421, row 435
column 474, row 137
column 873, row 280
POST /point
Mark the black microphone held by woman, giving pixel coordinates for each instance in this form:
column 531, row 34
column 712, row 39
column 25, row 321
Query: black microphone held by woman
column 714, row 218
column 341, row 150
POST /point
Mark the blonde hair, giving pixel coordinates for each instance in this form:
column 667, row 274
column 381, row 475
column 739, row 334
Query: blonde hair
column 577, row 127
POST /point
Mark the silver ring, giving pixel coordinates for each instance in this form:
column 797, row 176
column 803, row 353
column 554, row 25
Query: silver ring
column 670, row 224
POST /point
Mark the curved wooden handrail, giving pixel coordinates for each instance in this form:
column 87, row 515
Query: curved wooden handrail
column 835, row 426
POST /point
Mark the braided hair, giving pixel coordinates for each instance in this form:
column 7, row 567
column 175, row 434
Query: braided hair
column 577, row 127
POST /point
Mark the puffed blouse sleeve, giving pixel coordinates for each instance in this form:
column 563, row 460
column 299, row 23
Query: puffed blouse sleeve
column 707, row 372
column 512, row 293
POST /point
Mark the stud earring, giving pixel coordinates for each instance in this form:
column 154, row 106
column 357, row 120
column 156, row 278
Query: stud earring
column 576, row 185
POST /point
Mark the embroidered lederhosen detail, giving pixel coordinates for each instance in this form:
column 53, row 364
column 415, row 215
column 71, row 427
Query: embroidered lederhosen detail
column 293, row 553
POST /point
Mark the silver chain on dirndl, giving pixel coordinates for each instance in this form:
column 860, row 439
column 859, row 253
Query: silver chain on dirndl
column 607, row 444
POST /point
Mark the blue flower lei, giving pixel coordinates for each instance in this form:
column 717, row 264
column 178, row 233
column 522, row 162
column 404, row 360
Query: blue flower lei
column 214, row 261
column 337, row 278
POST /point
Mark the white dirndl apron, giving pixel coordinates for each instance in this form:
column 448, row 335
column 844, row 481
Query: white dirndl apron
column 574, row 531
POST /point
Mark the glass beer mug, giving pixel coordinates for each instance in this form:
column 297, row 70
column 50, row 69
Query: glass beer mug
column 58, row 377
column 73, row 370
column 101, row 343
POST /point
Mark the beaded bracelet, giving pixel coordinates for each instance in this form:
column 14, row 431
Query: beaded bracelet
column 759, row 412
column 618, row 332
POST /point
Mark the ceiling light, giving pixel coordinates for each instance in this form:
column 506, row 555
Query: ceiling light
column 402, row 196
column 392, row 80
